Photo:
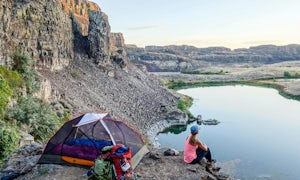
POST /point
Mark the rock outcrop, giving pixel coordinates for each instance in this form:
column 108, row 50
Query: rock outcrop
column 188, row 58
column 23, row 160
column 99, row 37
column 52, row 31
column 39, row 28
column 118, row 49
column 5, row 17
column 79, row 11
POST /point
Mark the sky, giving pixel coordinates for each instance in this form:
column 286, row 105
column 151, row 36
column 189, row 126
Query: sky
column 205, row 23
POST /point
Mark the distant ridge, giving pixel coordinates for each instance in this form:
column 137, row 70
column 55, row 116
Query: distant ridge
column 185, row 57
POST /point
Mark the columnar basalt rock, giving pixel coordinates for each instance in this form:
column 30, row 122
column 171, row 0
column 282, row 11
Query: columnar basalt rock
column 79, row 10
column 5, row 18
column 51, row 31
column 98, row 38
column 117, row 49
column 38, row 28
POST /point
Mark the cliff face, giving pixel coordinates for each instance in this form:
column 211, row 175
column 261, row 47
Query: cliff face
column 82, row 65
column 99, row 36
column 185, row 58
column 5, row 11
column 79, row 10
column 38, row 28
column 52, row 31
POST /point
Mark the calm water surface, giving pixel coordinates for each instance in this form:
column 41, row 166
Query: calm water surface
column 259, row 133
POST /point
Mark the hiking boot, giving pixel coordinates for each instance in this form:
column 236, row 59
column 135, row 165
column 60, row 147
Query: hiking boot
column 202, row 162
column 211, row 163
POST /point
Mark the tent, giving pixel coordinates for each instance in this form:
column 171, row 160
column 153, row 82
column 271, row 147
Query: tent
column 80, row 140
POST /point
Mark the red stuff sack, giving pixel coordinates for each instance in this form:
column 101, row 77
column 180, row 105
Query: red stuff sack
column 122, row 161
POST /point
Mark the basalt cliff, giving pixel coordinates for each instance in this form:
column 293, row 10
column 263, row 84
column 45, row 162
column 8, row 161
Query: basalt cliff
column 82, row 66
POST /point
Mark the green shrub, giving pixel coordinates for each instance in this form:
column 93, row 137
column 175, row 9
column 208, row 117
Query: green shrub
column 13, row 78
column 23, row 65
column 38, row 116
column 9, row 139
column 287, row 74
column 5, row 93
column 21, row 62
column 183, row 105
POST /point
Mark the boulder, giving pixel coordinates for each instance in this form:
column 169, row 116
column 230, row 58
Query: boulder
column 22, row 161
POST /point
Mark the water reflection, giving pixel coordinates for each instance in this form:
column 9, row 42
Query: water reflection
column 175, row 129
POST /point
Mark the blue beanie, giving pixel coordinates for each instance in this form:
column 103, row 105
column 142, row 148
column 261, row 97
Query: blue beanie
column 194, row 129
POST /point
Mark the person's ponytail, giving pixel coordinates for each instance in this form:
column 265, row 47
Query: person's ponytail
column 193, row 139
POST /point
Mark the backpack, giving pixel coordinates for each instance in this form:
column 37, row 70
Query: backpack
column 101, row 170
column 121, row 158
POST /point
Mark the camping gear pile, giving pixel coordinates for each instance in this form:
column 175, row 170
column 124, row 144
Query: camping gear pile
column 115, row 162
column 92, row 136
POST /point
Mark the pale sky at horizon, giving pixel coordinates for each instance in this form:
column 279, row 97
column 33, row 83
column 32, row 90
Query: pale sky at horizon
column 229, row 23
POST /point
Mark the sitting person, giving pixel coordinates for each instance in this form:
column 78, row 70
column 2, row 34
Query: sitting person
column 195, row 150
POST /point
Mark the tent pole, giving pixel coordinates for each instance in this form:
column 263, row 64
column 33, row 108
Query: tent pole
column 76, row 133
column 108, row 131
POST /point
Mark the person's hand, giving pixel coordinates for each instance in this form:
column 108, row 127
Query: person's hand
column 205, row 147
column 202, row 145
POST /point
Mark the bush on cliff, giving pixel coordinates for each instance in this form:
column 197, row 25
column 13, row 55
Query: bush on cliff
column 23, row 64
column 5, row 93
column 184, row 104
column 13, row 78
column 9, row 139
column 10, row 81
column 38, row 117
column 27, row 113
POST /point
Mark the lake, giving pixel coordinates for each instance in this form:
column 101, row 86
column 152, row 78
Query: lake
column 258, row 137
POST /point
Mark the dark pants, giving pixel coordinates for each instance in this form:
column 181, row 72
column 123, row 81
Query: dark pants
column 200, row 154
